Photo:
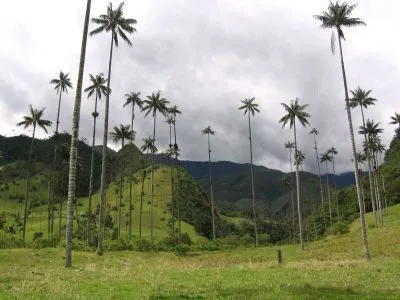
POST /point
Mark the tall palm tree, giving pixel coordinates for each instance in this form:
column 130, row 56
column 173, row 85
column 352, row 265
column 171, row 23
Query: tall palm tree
column 361, row 98
column 332, row 152
column 132, row 99
column 148, row 145
column 171, row 154
column 361, row 158
column 174, row 111
column 250, row 108
column 337, row 17
column 395, row 120
column 61, row 85
column 380, row 148
column 296, row 111
column 325, row 158
column 98, row 88
column 315, row 132
column 290, row 145
column 119, row 135
column 299, row 158
column 115, row 23
column 34, row 119
column 74, row 140
column 208, row 131
column 153, row 104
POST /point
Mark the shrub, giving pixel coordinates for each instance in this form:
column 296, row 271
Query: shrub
column 230, row 240
column 145, row 245
column 41, row 242
column 119, row 244
column 339, row 228
column 182, row 249
column 264, row 239
column 8, row 241
column 37, row 235
column 247, row 239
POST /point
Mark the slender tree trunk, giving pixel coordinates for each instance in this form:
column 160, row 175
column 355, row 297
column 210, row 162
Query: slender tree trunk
column 291, row 186
column 141, row 205
column 74, row 142
column 176, row 188
column 383, row 186
column 89, row 217
column 100, row 246
column 334, row 187
column 371, row 184
column 329, row 193
column 353, row 146
column 28, row 170
column 252, row 184
column 120, row 194
column 320, row 180
column 152, row 180
column 172, row 182
column 298, row 188
column 58, row 112
column 60, row 205
column 131, row 177
column 211, row 187
column 362, row 187
column 377, row 189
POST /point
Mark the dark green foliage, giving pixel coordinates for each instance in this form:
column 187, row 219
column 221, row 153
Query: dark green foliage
column 391, row 170
column 49, row 242
column 8, row 241
column 339, row 228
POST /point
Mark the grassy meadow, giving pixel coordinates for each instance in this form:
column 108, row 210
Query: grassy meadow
column 332, row 268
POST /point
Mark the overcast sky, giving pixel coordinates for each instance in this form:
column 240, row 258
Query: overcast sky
column 206, row 56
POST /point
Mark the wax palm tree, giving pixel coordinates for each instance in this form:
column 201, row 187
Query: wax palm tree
column 395, row 120
column 120, row 134
column 361, row 98
column 380, row 148
column 332, row 152
column 296, row 111
column 115, row 23
column 174, row 111
column 337, row 17
column 361, row 158
column 290, row 145
column 61, row 85
column 208, row 131
column 315, row 132
column 153, row 104
column 97, row 88
column 171, row 154
column 148, row 145
column 132, row 99
column 74, row 140
column 34, row 119
column 299, row 158
column 325, row 158
column 250, row 108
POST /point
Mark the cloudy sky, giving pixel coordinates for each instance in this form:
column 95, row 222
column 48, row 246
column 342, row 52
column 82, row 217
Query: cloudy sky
column 205, row 56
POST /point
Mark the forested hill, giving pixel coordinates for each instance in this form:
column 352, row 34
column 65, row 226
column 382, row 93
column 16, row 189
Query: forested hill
column 391, row 169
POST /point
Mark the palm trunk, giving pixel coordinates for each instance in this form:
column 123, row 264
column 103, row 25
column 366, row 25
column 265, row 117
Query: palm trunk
column 176, row 188
column 141, row 206
column 152, row 181
column 320, row 180
column 334, row 187
column 353, row 146
column 172, row 183
column 383, row 186
column 89, row 217
column 298, row 188
column 120, row 194
column 211, row 188
column 28, row 169
column 60, row 204
column 362, row 188
column 48, row 206
column 377, row 190
column 74, row 142
column 131, row 177
column 252, row 184
column 100, row 246
column 58, row 112
column 291, row 186
column 371, row 184
column 329, row 193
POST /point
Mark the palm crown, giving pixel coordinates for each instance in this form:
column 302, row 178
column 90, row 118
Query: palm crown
column 174, row 110
column 249, row 106
column 98, row 86
column 337, row 17
column 148, row 145
column 295, row 110
column 208, row 130
column 155, row 103
column 115, row 22
column 122, row 132
column 332, row 151
column 62, row 83
column 299, row 158
column 289, row 145
column 133, row 99
column 361, row 98
column 395, row 119
column 170, row 120
column 371, row 129
column 314, row 131
column 326, row 157
column 35, row 119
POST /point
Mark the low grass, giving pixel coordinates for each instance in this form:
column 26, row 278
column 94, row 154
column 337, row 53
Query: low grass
column 333, row 268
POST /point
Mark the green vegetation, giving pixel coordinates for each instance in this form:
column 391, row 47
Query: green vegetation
column 332, row 268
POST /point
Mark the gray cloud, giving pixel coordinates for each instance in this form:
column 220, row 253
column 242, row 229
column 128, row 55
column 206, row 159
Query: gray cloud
column 205, row 57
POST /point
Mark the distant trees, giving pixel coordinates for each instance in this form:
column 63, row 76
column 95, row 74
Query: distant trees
column 332, row 152
column 296, row 111
column 250, row 108
column 325, row 158
column 208, row 131
column 115, row 23
column 337, row 17
column 34, row 120
column 395, row 120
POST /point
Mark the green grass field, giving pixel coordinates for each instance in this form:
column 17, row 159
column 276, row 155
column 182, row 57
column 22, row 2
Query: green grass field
column 333, row 268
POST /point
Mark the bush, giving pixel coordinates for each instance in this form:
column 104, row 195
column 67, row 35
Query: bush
column 8, row 241
column 77, row 245
column 119, row 244
column 145, row 245
column 339, row 228
column 37, row 235
column 264, row 239
column 42, row 242
column 230, row 240
column 182, row 249
column 247, row 239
